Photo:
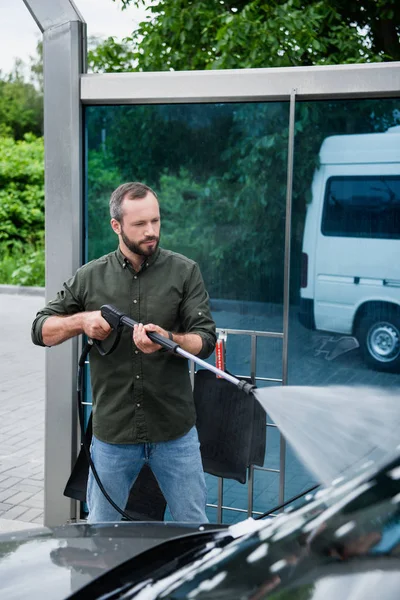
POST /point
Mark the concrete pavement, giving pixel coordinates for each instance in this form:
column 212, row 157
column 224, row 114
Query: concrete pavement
column 21, row 414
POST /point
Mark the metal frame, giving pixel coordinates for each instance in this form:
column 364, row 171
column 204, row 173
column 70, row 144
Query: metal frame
column 286, row 281
column 64, row 55
column 377, row 80
column 254, row 335
column 66, row 89
column 289, row 84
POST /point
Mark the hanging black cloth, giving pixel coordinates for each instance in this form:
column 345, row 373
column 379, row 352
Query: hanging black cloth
column 232, row 433
column 146, row 501
column 231, row 426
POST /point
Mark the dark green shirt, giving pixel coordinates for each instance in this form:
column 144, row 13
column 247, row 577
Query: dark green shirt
column 139, row 397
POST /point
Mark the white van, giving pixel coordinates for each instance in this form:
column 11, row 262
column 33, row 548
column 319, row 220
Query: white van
column 351, row 245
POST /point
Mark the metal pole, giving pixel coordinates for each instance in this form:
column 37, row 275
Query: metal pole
column 64, row 51
column 250, row 491
column 253, row 367
column 238, row 382
column 253, row 373
column 286, row 285
column 220, row 499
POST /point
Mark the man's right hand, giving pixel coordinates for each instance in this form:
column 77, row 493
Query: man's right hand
column 95, row 326
column 58, row 329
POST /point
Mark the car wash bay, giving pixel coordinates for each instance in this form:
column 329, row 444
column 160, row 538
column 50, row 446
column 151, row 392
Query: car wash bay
column 232, row 156
column 221, row 172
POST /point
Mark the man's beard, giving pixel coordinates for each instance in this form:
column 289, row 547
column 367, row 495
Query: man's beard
column 137, row 248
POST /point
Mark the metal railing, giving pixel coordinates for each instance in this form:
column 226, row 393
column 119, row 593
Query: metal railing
column 220, row 507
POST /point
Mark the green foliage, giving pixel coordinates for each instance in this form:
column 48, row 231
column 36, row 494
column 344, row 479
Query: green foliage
column 21, row 107
column 22, row 210
column 23, row 266
column 22, row 175
column 36, row 69
column 103, row 178
column 110, row 56
column 8, row 264
column 31, row 270
column 219, row 225
column 221, row 172
column 21, row 190
column 204, row 34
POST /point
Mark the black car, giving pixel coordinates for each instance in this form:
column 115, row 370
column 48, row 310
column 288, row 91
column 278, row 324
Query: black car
column 342, row 543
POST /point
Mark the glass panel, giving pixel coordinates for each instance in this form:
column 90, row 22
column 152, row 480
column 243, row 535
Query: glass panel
column 211, row 514
column 266, row 491
column 269, row 357
column 220, row 173
column 297, row 478
column 237, row 348
column 272, row 448
column 231, row 517
column 345, row 280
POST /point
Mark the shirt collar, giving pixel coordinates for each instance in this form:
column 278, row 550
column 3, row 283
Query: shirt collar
column 124, row 262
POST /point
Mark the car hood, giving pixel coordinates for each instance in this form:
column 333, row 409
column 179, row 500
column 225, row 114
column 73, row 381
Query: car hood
column 353, row 524
column 53, row 563
column 351, row 531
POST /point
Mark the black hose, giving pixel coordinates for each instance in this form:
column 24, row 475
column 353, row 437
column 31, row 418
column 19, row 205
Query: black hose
column 88, row 346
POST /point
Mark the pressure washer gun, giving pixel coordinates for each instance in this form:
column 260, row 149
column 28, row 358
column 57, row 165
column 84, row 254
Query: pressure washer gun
column 117, row 320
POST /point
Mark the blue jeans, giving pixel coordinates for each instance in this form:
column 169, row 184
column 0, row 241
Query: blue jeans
column 176, row 465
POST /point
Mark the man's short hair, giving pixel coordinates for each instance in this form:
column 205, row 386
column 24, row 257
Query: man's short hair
column 133, row 190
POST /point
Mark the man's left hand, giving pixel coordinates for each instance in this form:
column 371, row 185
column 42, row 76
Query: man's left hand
column 142, row 340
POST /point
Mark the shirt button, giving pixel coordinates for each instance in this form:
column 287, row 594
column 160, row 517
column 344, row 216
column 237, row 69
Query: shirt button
column 137, row 376
column 136, row 351
column 135, row 302
column 199, row 314
column 138, row 404
column 135, row 277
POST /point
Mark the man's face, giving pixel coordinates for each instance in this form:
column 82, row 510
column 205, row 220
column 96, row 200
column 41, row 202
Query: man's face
column 140, row 225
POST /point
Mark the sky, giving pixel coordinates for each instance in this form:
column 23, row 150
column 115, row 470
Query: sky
column 19, row 33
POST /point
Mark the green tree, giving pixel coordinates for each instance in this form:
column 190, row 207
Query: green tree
column 21, row 105
column 208, row 184
column 36, row 68
column 22, row 210
column 204, row 34
column 103, row 178
column 110, row 56
column 21, row 190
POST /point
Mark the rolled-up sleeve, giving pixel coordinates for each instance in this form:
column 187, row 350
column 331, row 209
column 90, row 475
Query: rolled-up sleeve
column 195, row 312
column 67, row 302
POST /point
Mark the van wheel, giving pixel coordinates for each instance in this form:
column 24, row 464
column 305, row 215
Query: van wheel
column 379, row 339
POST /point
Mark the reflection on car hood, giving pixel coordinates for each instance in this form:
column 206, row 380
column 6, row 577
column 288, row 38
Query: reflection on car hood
column 350, row 529
column 51, row 563
column 366, row 581
column 347, row 524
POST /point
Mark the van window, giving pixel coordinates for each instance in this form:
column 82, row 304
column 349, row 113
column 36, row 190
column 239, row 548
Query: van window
column 366, row 207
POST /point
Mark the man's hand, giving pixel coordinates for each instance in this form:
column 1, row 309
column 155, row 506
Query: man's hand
column 58, row 329
column 191, row 342
column 95, row 326
column 142, row 340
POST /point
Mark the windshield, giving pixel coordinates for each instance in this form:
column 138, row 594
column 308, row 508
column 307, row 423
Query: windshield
column 362, row 206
